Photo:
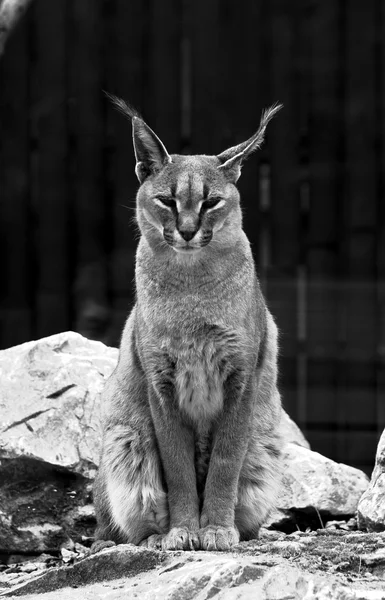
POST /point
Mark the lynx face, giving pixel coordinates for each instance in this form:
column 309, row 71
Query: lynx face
column 189, row 205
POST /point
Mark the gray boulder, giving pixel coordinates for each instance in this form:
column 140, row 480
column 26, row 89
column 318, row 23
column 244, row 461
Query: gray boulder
column 316, row 488
column 371, row 508
column 291, row 433
column 50, row 392
column 49, row 439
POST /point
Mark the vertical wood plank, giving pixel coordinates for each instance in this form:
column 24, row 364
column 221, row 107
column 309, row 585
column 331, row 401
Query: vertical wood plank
column 49, row 172
column 285, row 176
column 16, row 250
column 90, row 227
column 125, row 67
column 322, row 255
column 202, row 22
column 303, row 34
column 162, row 98
column 380, row 175
column 359, row 404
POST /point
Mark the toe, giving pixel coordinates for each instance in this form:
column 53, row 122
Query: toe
column 222, row 540
column 180, row 538
column 153, row 542
column 207, row 539
column 193, row 540
column 218, row 538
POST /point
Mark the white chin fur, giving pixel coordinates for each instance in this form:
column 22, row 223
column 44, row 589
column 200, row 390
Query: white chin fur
column 187, row 251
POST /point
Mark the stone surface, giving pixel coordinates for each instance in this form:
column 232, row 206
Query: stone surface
column 49, row 450
column 291, row 432
column 315, row 489
column 121, row 561
column 49, row 402
column 49, row 439
column 314, row 481
column 371, row 508
column 320, row 565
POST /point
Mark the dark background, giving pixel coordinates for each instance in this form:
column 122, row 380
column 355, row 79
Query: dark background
column 200, row 72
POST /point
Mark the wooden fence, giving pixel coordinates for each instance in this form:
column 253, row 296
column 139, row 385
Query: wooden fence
column 200, row 71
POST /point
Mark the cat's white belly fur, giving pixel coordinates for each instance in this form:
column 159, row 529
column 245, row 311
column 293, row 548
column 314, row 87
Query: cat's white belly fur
column 200, row 366
column 199, row 390
column 198, row 381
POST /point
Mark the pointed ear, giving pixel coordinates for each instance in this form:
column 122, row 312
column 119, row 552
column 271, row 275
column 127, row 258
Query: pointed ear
column 150, row 153
column 232, row 159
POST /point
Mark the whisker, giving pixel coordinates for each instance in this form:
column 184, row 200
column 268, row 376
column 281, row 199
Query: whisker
column 128, row 207
column 134, row 222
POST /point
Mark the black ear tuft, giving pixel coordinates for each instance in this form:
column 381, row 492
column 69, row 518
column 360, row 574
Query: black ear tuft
column 232, row 158
column 126, row 109
column 150, row 152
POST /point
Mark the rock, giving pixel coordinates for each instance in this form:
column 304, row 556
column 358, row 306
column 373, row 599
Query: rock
column 122, row 561
column 50, row 439
column 50, row 405
column 309, row 567
column 291, row 432
column 350, row 524
column 371, row 508
column 316, row 488
column 313, row 481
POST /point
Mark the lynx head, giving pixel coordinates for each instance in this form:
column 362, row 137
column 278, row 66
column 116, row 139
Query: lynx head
column 189, row 204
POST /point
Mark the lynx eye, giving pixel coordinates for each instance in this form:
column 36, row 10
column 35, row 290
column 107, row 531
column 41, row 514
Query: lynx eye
column 166, row 201
column 211, row 202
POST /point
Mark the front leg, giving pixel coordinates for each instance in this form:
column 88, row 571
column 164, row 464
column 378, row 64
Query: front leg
column 177, row 450
column 218, row 531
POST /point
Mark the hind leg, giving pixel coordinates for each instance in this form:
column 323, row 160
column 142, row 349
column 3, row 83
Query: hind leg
column 132, row 506
column 129, row 497
column 260, row 477
column 130, row 501
column 258, row 488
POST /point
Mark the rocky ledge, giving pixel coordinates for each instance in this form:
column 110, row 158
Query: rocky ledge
column 320, row 565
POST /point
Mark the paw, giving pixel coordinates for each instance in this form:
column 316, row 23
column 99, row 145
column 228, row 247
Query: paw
column 180, row 538
column 153, row 542
column 100, row 545
column 218, row 538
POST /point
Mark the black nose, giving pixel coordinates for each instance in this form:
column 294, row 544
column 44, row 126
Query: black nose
column 187, row 234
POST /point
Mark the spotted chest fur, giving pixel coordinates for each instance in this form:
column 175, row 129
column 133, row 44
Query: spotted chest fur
column 195, row 367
